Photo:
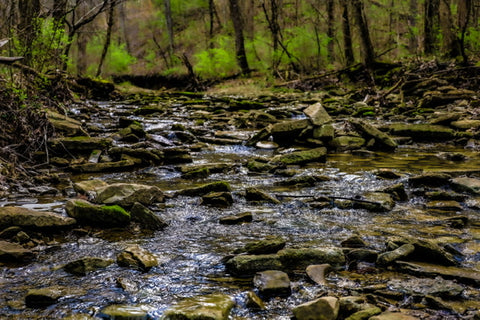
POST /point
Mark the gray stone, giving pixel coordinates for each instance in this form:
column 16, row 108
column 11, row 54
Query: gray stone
column 287, row 131
column 65, row 124
column 126, row 194
column 217, row 186
column 365, row 314
column 393, row 316
column 254, row 302
column 301, row 258
column 44, row 297
column 422, row 132
column 218, row 199
column 249, row 265
column 85, row 265
column 266, row 246
column 325, row 308
column 89, row 187
column 382, row 140
column 109, row 166
column 13, row 252
column 237, row 219
column 126, row 312
column 318, row 272
column 137, row 257
column 376, row 202
column 347, row 142
column 465, row 184
column 401, row 252
column 325, row 132
column 254, row 194
column 302, row 157
column 206, row 307
column 146, row 217
column 272, row 283
column 28, row 218
column 317, row 114
column 80, row 144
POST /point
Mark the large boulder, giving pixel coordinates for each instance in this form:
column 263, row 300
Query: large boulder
column 207, row 307
column 317, row 114
column 126, row 194
column 80, row 144
column 287, row 131
column 89, row 187
column 97, row 215
column 31, row 219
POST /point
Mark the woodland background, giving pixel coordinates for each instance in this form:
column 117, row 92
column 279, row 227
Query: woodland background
column 212, row 39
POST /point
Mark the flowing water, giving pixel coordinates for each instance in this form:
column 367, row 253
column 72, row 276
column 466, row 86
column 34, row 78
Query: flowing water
column 190, row 250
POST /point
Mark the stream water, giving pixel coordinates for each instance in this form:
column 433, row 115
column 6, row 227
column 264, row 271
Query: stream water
column 190, row 250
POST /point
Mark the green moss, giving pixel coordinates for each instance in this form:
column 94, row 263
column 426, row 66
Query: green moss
column 114, row 210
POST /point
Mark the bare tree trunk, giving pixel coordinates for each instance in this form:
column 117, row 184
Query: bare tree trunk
column 366, row 43
column 330, row 29
column 430, row 17
column 168, row 18
column 347, row 35
column 274, row 27
column 464, row 13
column 412, row 37
column 451, row 43
column 28, row 26
column 108, row 37
column 236, row 17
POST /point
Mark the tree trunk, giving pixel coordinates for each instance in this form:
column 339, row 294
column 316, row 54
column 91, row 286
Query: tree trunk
column 429, row 25
column 236, row 17
column 330, row 29
column 59, row 12
column 412, row 37
column 28, row 26
column 366, row 43
column 451, row 43
column 347, row 35
column 168, row 18
column 108, row 37
column 464, row 13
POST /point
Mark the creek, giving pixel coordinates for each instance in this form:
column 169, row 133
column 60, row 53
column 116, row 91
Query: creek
column 191, row 248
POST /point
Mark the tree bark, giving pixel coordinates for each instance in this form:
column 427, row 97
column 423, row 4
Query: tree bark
column 108, row 37
column 236, row 17
column 412, row 37
column 330, row 29
column 347, row 35
column 429, row 24
column 28, row 26
column 464, row 13
column 366, row 43
column 169, row 21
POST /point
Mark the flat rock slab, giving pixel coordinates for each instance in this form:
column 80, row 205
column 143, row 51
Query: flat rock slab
column 272, row 283
column 31, row 219
column 325, row 308
column 13, row 252
column 464, row 184
column 317, row 272
column 207, row 307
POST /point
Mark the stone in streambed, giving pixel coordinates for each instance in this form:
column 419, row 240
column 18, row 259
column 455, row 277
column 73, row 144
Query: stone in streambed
column 347, row 142
column 317, row 114
column 218, row 186
column 325, row 308
column 138, row 258
column 31, row 219
column 299, row 259
column 365, row 314
column 146, row 217
column 111, row 166
column 206, row 307
column 266, row 246
column 89, row 187
column 393, row 316
column 249, row 265
column 465, row 184
column 15, row 253
column 126, row 194
column 79, row 144
column 97, row 215
column 85, row 265
column 401, row 252
column 218, row 199
column 375, row 202
column 272, row 283
column 44, row 297
column 254, row 194
column 317, row 272
column 236, row 219
column 126, row 312
column 302, row 157
column 382, row 140
column 422, row 132
column 65, row 124
column 287, row 131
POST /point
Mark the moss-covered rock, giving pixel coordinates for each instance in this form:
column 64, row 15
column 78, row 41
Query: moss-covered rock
column 302, row 157
column 126, row 194
column 138, row 258
column 13, row 252
column 265, row 246
column 249, row 265
column 218, row 199
column 325, row 308
column 206, row 307
column 126, row 312
column 272, row 283
column 31, row 219
column 298, row 259
column 146, row 218
column 287, row 131
column 382, row 140
column 65, row 124
column 79, row 144
column 122, row 165
column 422, row 132
column 347, row 142
column 97, row 215
column 85, row 265
column 254, row 194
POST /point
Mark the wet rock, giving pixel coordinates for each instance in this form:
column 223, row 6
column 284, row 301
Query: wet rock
column 299, row 259
column 146, row 217
column 302, row 157
column 254, row 194
column 109, row 166
column 176, row 155
column 254, row 302
column 147, row 156
column 401, row 252
column 9, row 232
column 261, row 135
column 138, row 258
column 465, row 184
column 445, row 195
column 425, row 286
column 387, row 174
column 466, row 124
column 324, row 133
column 196, row 173
column 430, row 180
column 79, row 144
column 375, row 202
column 149, row 110
column 31, row 219
column 382, row 140
column 218, row 199
column 393, row 316
column 237, row 219
column 89, row 187
column 353, row 242
column 365, row 314
column 97, row 215
column 249, row 265
column 422, row 132
column 325, row 308
column 272, row 283
column 287, row 131
column 347, row 142
column 218, row 186
column 127, row 284
column 206, row 307
column 318, row 272
column 317, row 114
column 428, row 251
column 352, row 304
column 463, row 275
column 62, row 123
column 259, row 166
column 44, row 297
column 13, row 252
column 266, row 246
column 85, row 265
column 266, row 145
column 126, row 194
column 397, row 191
column 361, row 254
column 126, row 312
column 444, row 205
